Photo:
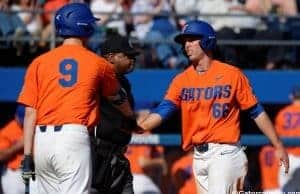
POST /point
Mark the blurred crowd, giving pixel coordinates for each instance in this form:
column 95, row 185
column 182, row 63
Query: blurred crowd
column 242, row 26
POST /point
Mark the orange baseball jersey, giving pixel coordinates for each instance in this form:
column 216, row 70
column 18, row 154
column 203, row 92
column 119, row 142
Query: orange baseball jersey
column 134, row 152
column 287, row 123
column 9, row 135
column 210, row 103
column 63, row 84
column 183, row 168
column 269, row 168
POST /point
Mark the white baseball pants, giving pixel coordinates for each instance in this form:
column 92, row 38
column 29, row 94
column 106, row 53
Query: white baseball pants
column 221, row 169
column 63, row 160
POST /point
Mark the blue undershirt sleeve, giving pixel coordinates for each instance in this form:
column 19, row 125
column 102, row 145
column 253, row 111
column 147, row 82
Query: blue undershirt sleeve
column 165, row 109
column 255, row 110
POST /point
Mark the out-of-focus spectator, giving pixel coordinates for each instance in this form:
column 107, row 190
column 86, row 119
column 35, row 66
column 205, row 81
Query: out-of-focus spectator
column 144, row 162
column 9, row 21
column 49, row 8
column 126, row 5
column 287, row 125
column 269, row 169
column 235, row 25
column 279, row 27
column 26, row 10
column 110, row 13
column 185, row 10
column 182, row 174
column 153, row 25
column 282, row 7
column 230, row 7
column 11, row 154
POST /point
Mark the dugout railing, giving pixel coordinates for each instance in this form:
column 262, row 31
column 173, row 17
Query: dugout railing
column 175, row 140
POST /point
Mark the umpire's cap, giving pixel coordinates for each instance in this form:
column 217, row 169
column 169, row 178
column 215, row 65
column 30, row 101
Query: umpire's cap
column 201, row 29
column 118, row 44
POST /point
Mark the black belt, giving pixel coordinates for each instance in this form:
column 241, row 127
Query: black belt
column 202, row 147
column 205, row 146
column 43, row 128
column 57, row 128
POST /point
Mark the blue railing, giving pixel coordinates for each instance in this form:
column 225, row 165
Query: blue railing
column 175, row 140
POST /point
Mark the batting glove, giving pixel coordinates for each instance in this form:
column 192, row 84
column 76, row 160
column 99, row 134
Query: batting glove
column 28, row 169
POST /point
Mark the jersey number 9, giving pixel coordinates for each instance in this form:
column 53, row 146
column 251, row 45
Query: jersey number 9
column 68, row 69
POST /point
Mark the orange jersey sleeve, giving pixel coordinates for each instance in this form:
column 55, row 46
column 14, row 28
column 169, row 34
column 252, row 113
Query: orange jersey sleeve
column 287, row 123
column 63, row 84
column 210, row 103
column 9, row 135
column 269, row 168
column 182, row 174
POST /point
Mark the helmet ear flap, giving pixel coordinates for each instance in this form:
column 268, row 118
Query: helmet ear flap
column 208, row 43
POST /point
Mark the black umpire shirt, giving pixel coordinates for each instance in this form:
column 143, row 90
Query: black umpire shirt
column 111, row 118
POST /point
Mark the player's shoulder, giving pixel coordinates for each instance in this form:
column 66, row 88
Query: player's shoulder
column 229, row 68
column 286, row 108
column 182, row 74
column 98, row 59
column 230, row 71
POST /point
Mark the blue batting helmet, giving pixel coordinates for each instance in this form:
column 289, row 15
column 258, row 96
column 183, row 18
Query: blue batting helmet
column 201, row 29
column 74, row 20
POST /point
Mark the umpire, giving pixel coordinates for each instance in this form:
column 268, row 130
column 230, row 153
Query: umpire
column 111, row 169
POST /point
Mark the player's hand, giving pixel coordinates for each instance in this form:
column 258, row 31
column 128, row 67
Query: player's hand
column 139, row 130
column 129, row 125
column 28, row 171
column 284, row 158
column 142, row 115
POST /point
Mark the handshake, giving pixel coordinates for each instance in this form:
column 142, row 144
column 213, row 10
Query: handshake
column 133, row 124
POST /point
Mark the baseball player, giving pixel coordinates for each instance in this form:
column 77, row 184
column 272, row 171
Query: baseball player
column 182, row 174
column 111, row 171
column 11, row 146
column 269, row 170
column 60, row 91
column 287, row 123
column 143, row 160
column 210, row 95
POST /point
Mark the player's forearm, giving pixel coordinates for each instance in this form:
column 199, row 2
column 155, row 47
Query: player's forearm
column 265, row 124
column 29, row 129
column 151, row 122
column 120, row 102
